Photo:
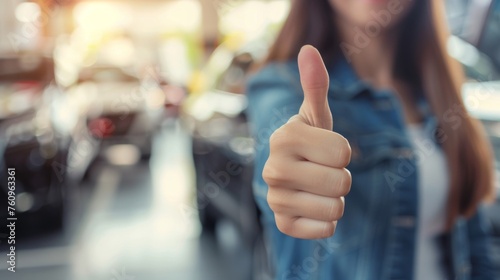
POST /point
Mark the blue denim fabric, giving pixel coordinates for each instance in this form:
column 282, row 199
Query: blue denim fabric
column 376, row 238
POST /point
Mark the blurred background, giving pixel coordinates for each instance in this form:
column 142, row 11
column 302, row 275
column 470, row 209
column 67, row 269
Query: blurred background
column 124, row 121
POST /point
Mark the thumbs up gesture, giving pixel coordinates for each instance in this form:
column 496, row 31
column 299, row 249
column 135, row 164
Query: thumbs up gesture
column 306, row 170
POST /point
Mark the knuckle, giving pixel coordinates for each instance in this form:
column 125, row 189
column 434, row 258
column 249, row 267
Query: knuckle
column 274, row 137
column 296, row 123
column 274, row 205
column 280, row 139
column 276, row 201
column 272, row 173
column 285, row 138
column 285, row 225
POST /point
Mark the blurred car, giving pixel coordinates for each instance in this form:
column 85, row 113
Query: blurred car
column 120, row 107
column 31, row 141
column 223, row 152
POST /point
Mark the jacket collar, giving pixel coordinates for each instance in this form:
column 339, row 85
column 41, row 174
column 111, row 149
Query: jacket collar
column 344, row 81
column 345, row 84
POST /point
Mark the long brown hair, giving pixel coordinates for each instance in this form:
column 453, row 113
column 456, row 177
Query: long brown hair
column 421, row 60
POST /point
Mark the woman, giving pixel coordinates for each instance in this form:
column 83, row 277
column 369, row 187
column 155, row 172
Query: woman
column 408, row 163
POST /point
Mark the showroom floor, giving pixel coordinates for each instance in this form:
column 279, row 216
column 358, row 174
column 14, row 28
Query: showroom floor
column 134, row 222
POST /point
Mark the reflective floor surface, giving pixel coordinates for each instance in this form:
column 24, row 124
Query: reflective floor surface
column 134, row 222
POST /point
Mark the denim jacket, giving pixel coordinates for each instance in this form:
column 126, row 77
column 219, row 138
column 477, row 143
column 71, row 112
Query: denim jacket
column 376, row 238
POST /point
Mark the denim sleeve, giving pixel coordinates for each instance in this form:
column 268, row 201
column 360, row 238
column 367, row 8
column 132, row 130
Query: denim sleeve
column 480, row 247
column 274, row 95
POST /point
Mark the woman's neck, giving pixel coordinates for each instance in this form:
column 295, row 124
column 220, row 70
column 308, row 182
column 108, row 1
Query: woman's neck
column 373, row 61
column 371, row 57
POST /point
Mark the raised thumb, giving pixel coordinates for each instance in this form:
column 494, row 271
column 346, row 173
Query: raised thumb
column 315, row 81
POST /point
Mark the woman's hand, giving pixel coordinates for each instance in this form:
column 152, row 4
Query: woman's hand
column 305, row 170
